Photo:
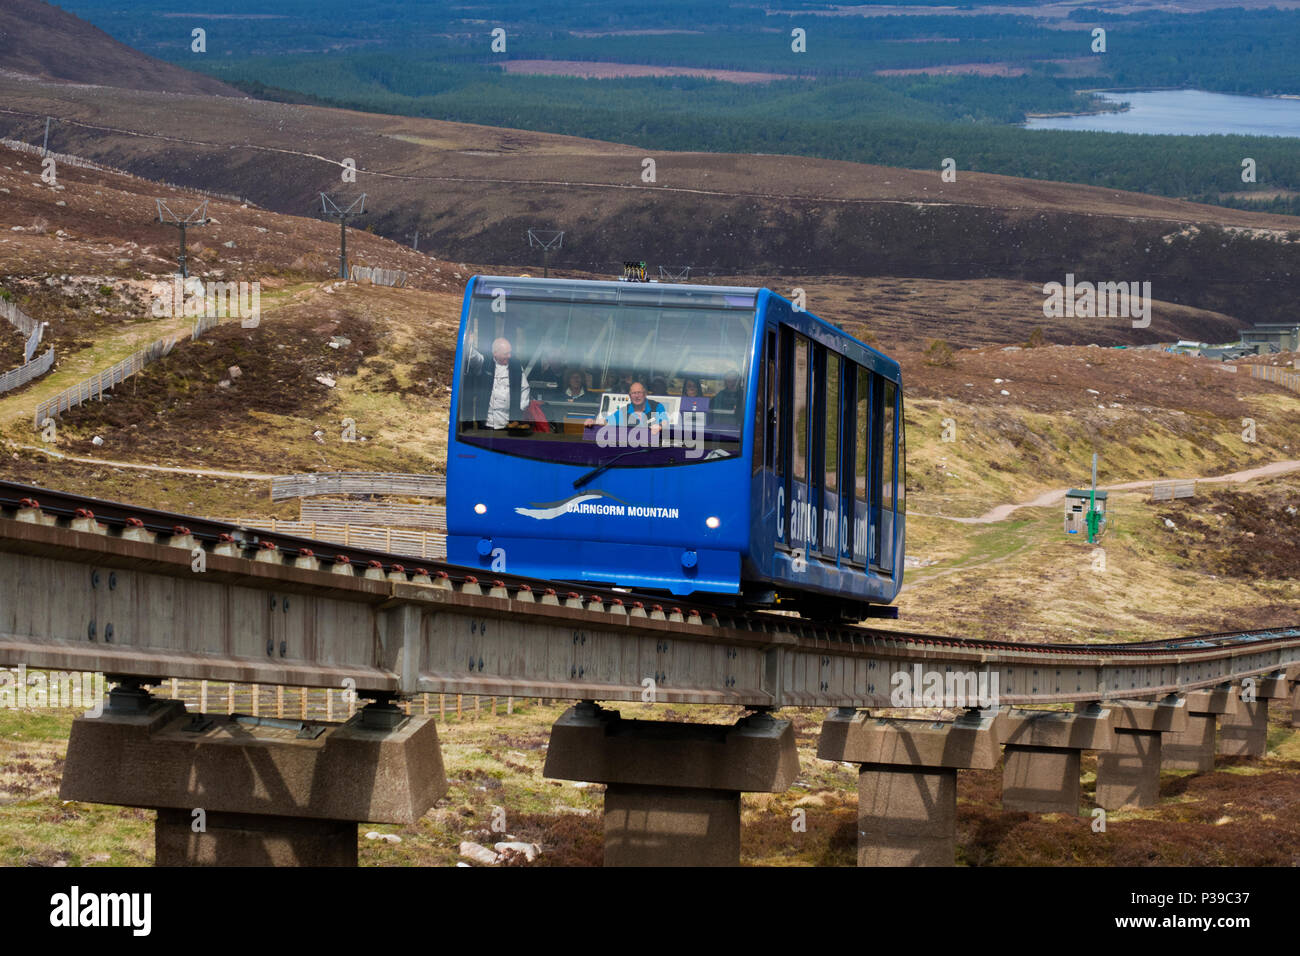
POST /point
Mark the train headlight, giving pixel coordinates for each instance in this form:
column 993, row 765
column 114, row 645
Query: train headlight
column 712, row 521
column 480, row 509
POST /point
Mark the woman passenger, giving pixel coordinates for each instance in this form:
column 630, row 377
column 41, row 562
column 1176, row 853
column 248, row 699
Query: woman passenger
column 575, row 389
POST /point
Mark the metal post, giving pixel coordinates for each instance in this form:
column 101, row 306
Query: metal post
column 546, row 240
column 1092, row 503
column 332, row 209
column 199, row 217
column 343, row 248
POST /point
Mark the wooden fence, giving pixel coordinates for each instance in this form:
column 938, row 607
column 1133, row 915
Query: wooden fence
column 319, row 703
column 67, row 159
column 16, row 317
column 1280, row 376
column 309, row 703
column 357, row 483
column 31, row 330
column 33, row 343
column 1169, row 490
column 63, row 159
column 377, row 276
column 429, row 545
column 101, row 382
column 25, row 373
column 378, row 514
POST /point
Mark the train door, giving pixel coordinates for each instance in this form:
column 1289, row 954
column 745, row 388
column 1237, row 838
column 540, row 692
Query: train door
column 830, row 381
column 801, row 530
column 863, row 540
column 848, row 458
column 885, row 397
column 770, row 466
column 889, row 480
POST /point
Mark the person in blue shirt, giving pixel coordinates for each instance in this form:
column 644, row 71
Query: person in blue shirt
column 639, row 411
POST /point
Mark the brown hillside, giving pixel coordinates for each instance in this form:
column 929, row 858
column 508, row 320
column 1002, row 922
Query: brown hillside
column 40, row 39
column 476, row 190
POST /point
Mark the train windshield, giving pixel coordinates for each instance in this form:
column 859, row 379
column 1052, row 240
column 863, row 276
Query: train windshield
column 625, row 374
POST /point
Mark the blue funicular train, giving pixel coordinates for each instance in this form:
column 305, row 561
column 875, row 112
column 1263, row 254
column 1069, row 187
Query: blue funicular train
column 676, row 439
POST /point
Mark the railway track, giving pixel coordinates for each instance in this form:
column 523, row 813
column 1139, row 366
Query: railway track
column 119, row 516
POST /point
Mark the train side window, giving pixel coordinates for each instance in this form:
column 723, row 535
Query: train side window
column 768, row 408
column 798, row 441
column 887, row 450
column 901, row 494
column 873, row 479
column 861, row 464
column 830, row 511
column 848, row 454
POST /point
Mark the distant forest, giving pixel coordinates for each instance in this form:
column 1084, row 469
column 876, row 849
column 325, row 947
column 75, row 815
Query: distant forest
column 434, row 60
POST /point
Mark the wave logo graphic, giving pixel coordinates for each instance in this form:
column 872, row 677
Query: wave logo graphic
column 579, row 504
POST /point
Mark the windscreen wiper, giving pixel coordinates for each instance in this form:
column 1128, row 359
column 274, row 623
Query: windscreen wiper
column 605, row 466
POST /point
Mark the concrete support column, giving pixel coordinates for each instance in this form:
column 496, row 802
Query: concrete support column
column 1293, row 678
column 1129, row 775
column 1193, row 748
column 1041, row 750
column 907, row 782
column 673, row 790
column 250, row 839
column 1245, row 734
column 242, row 791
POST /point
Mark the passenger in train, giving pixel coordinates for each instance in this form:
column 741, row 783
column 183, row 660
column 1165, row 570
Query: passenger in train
column 499, row 390
column 691, row 388
column 728, row 402
column 639, row 411
column 571, row 402
column 575, row 389
column 548, row 376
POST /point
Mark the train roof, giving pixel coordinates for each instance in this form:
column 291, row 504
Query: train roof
column 675, row 294
column 614, row 292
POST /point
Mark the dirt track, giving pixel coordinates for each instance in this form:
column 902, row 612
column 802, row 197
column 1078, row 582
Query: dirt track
column 1047, row 498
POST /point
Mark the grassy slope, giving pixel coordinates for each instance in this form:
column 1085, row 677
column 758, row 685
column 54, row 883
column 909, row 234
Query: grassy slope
column 1172, row 415
column 1242, row 814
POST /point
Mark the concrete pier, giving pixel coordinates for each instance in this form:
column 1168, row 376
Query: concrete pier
column 1245, row 734
column 907, row 781
column 245, row 791
column 1193, row 748
column 1041, row 751
column 1129, row 774
column 673, row 790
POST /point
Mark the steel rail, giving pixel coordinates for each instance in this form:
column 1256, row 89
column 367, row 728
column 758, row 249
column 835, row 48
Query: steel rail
column 400, row 629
